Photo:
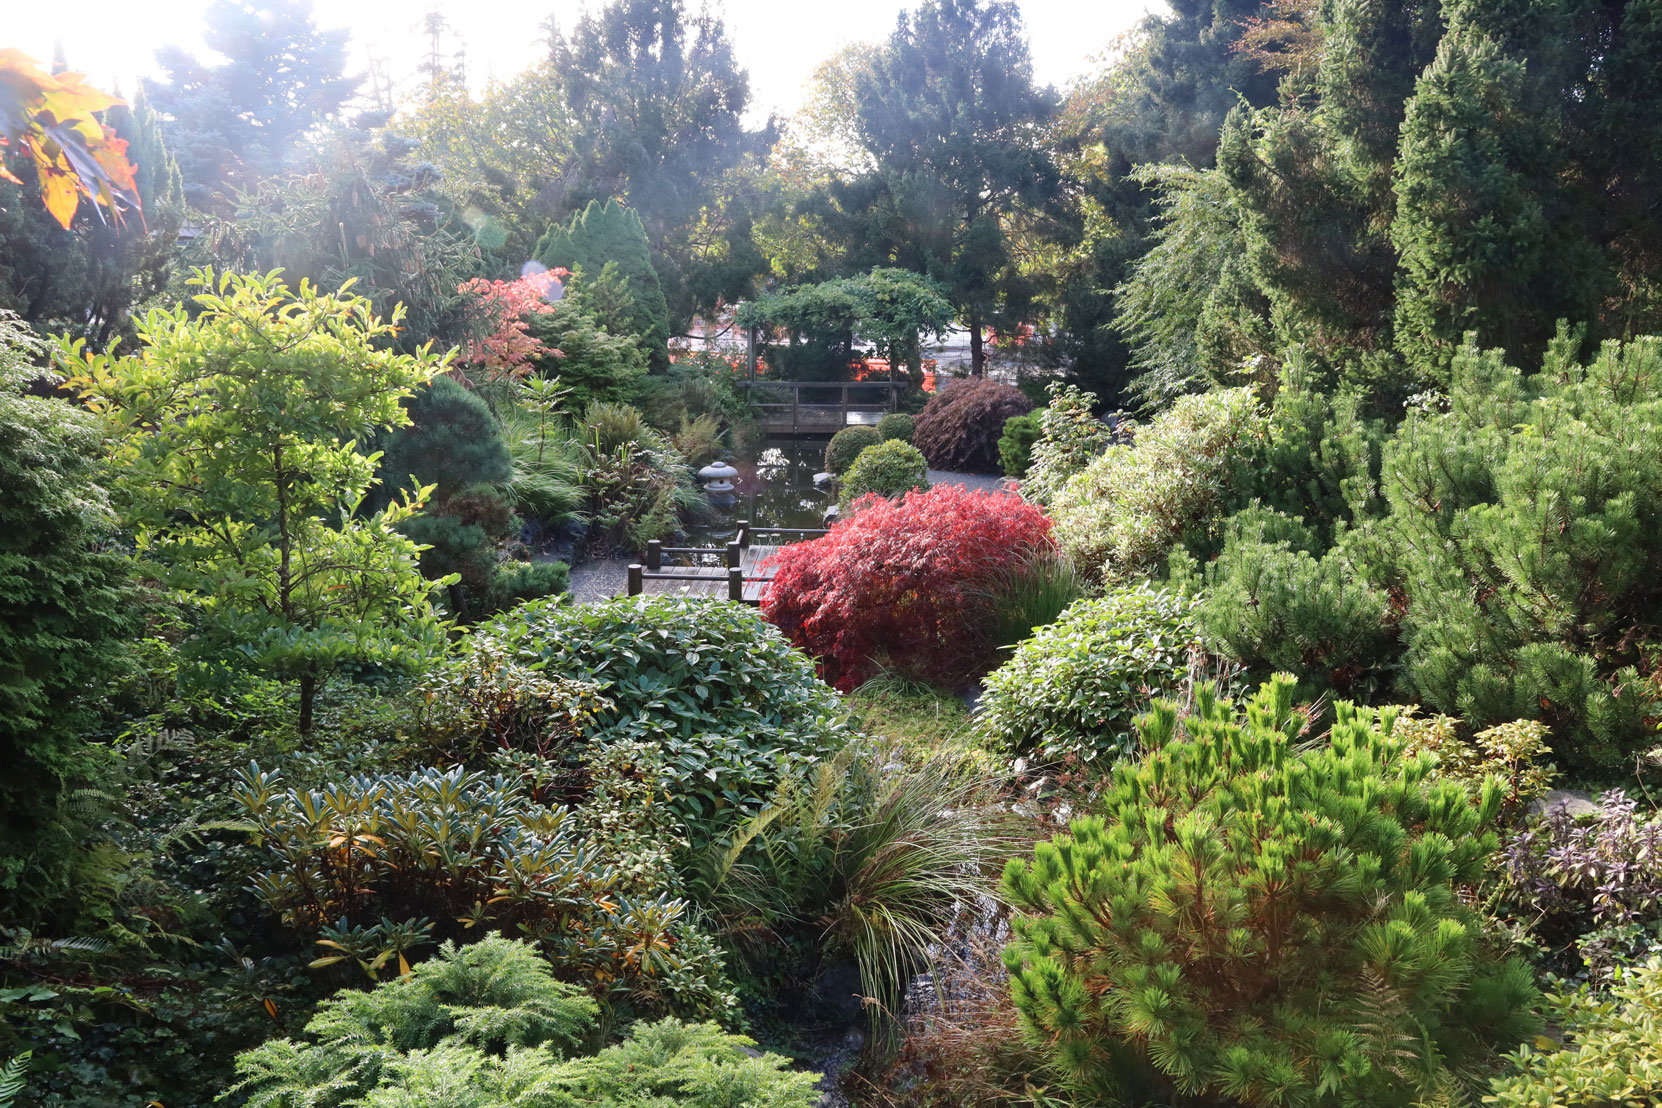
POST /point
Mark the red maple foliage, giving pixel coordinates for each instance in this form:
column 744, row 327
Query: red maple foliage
column 504, row 307
column 902, row 583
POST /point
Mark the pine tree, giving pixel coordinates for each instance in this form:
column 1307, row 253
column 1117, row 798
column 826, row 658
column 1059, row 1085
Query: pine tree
column 1244, row 921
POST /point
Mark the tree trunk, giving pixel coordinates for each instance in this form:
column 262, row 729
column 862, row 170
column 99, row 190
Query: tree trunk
column 978, row 355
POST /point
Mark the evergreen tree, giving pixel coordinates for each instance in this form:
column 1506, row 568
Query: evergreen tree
column 658, row 100
column 949, row 113
column 612, row 236
column 233, row 124
column 65, row 604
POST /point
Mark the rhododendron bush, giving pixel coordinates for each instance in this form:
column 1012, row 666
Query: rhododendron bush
column 504, row 307
column 901, row 583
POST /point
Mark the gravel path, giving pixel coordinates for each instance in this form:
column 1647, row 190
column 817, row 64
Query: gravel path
column 599, row 580
column 968, row 480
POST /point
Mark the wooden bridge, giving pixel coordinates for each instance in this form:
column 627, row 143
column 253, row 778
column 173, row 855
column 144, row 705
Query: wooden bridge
column 735, row 572
column 798, row 408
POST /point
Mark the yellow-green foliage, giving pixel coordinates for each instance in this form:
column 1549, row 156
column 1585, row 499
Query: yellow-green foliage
column 1611, row 1054
column 1120, row 516
column 1512, row 753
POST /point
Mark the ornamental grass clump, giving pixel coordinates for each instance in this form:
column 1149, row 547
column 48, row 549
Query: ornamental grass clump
column 1246, row 921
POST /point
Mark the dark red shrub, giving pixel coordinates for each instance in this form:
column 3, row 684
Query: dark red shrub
column 959, row 428
column 903, row 582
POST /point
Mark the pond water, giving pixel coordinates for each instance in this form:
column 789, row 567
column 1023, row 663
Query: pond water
column 773, row 489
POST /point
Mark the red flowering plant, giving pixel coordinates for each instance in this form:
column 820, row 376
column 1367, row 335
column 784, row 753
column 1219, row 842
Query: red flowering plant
column 903, row 583
column 506, row 345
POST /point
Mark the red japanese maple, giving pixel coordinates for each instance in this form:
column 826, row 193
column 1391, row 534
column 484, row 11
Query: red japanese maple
column 505, row 308
column 902, row 583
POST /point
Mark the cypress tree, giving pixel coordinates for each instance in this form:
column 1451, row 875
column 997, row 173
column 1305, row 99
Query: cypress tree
column 610, row 233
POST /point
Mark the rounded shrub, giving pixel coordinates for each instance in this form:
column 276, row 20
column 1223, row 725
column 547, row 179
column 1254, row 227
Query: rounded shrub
column 887, row 469
column 960, row 426
column 846, row 445
column 896, row 425
column 1242, row 920
column 903, row 583
column 1075, row 688
column 1015, row 445
column 719, row 691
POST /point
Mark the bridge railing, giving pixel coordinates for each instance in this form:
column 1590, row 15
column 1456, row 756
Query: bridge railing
column 819, row 406
column 701, row 569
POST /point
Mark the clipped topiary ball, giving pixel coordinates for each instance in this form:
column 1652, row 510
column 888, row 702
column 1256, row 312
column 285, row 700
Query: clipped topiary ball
column 960, row 427
column 896, row 425
column 887, row 469
column 846, row 445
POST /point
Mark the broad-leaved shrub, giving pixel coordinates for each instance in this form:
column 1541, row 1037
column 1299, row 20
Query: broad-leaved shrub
column 717, row 690
column 959, row 428
column 902, row 583
column 1120, row 516
column 846, row 445
column 1015, row 444
column 896, row 425
column 487, row 1026
column 1243, row 920
column 1610, row 1054
column 887, row 469
column 1076, row 687
column 1570, row 876
column 379, row 866
column 1070, row 438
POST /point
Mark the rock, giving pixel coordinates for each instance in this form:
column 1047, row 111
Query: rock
column 832, row 514
column 1577, row 802
column 822, row 479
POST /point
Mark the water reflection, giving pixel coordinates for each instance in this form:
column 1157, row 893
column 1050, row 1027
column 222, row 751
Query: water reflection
column 774, row 489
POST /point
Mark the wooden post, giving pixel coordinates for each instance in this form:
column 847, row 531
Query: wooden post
column 735, row 584
column 636, row 575
column 845, row 405
column 750, row 351
column 744, row 534
column 654, row 554
column 796, row 404
column 735, row 556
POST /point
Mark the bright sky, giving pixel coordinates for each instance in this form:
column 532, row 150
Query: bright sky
column 779, row 41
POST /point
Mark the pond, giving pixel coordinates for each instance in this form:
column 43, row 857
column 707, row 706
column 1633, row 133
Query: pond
column 773, row 489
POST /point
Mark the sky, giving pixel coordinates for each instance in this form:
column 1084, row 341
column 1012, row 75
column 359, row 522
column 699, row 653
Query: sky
column 779, row 41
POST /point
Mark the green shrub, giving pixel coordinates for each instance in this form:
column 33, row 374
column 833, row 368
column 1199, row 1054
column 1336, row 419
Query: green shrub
column 887, row 469
column 1247, row 922
column 846, row 445
column 378, row 867
column 1275, row 607
column 959, row 428
column 718, row 690
column 1610, row 1053
column 1070, row 438
column 1120, row 516
column 1505, row 569
column 1015, row 445
column 698, row 440
column 65, row 609
column 1075, row 688
column 896, row 425
column 486, row 1026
